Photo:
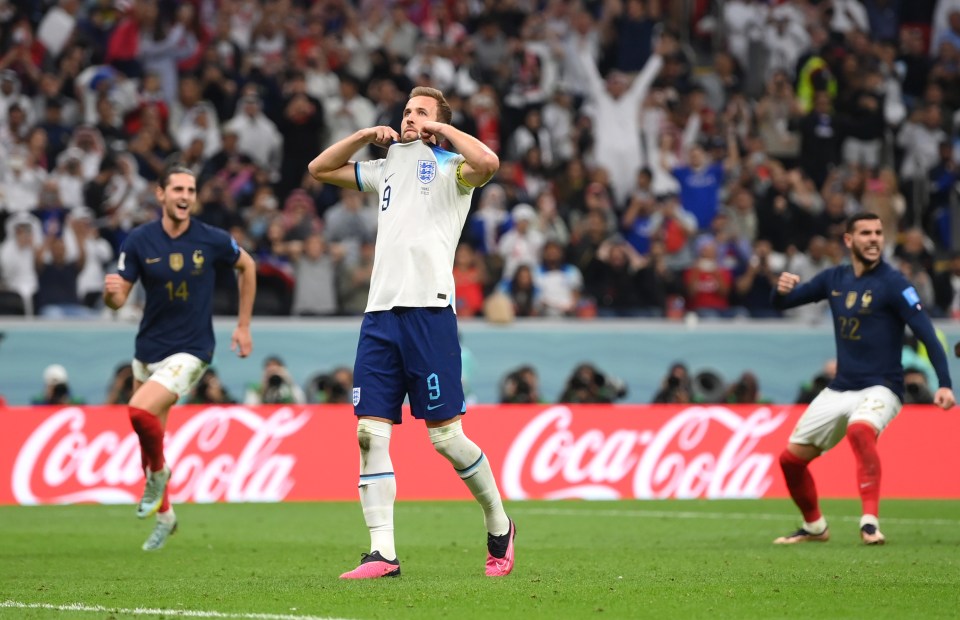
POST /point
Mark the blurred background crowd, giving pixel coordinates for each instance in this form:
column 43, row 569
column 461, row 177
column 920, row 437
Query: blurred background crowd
column 657, row 158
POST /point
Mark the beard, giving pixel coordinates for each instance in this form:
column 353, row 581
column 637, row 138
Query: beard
column 858, row 253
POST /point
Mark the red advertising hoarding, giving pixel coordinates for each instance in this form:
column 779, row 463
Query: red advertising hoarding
column 308, row 452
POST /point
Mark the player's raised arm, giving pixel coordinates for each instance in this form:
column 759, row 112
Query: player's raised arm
column 481, row 164
column 115, row 290
column 242, row 341
column 333, row 165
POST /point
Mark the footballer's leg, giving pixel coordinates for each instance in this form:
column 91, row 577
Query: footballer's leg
column 435, row 387
column 474, row 469
column 875, row 411
column 378, row 492
column 378, row 395
column 820, row 428
column 795, row 461
column 148, row 411
column 863, row 440
column 157, row 389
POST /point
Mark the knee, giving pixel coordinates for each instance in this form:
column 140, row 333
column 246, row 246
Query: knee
column 789, row 460
column 861, row 431
column 441, row 436
column 368, row 432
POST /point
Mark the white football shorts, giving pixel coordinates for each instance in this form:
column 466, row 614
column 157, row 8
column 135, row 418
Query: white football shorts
column 178, row 373
column 825, row 421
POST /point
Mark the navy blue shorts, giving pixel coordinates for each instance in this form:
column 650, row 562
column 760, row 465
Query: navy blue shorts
column 409, row 351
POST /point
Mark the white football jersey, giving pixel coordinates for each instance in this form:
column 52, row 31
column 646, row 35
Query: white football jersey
column 423, row 208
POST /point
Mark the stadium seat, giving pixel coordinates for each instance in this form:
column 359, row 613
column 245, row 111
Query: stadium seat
column 11, row 304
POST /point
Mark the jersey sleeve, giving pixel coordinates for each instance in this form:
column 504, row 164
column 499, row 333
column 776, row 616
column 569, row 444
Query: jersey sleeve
column 456, row 170
column 128, row 263
column 228, row 250
column 906, row 300
column 369, row 174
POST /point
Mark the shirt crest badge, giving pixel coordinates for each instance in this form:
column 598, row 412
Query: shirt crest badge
column 356, row 396
column 176, row 261
column 426, row 170
column 851, row 300
column 198, row 259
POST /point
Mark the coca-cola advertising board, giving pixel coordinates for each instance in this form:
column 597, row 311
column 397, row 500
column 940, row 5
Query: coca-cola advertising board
column 54, row 455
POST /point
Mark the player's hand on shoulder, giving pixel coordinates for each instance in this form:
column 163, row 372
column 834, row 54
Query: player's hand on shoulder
column 787, row 282
column 944, row 398
column 382, row 135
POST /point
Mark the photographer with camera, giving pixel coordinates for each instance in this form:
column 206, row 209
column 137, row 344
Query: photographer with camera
column 521, row 387
column 121, row 386
column 745, row 390
column 56, row 390
column 276, row 387
column 210, row 391
column 333, row 387
column 588, row 384
column 676, row 386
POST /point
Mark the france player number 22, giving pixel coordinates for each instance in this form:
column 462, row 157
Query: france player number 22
column 848, row 327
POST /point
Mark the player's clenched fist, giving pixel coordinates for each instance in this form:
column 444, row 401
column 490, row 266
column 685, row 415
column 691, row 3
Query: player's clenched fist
column 787, row 282
column 113, row 283
column 944, row 398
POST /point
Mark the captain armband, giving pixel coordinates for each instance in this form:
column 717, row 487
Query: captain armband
column 460, row 179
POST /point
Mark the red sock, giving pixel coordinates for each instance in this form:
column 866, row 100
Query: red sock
column 863, row 440
column 801, row 485
column 150, row 431
column 165, row 504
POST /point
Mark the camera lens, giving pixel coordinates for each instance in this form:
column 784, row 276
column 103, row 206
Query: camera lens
column 275, row 381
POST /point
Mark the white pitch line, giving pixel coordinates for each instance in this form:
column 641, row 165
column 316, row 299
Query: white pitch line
column 741, row 516
column 145, row 611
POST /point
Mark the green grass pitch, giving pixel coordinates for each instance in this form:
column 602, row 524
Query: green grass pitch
column 627, row 559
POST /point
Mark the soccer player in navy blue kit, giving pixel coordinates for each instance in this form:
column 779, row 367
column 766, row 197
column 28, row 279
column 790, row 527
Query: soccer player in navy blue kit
column 408, row 340
column 871, row 303
column 174, row 258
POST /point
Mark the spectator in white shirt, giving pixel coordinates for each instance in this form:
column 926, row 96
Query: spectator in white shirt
column 849, row 15
column 20, row 182
column 258, row 136
column 18, row 270
column 920, row 138
column 522, row 244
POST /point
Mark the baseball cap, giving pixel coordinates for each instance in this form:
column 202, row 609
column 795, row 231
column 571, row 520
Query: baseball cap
column 54, row 373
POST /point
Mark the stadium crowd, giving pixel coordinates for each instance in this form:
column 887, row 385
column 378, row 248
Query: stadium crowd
column 654, row 162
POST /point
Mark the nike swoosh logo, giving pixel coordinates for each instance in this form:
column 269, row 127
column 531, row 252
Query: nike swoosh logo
column 836, row 293
column 150, row 261
column 387, row 180
column 432, row 407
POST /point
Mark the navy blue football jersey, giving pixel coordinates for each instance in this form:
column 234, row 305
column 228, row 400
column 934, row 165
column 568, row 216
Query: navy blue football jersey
column 869, row 315
column 179, row 277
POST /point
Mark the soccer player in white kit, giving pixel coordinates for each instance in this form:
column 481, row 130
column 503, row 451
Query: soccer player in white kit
column 408, row 340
